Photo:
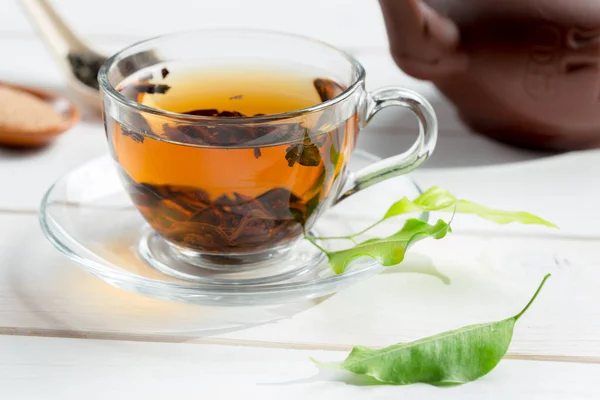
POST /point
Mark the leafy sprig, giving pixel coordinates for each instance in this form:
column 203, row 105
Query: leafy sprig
column 450, row 358
column 390, row 250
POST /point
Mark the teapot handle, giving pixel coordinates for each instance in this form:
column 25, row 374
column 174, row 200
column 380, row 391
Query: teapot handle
column 424, row 44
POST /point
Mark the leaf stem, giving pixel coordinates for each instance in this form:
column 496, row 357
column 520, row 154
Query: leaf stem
column 368, row 228
column 350, row 237
column 313, row 241
column 519, row 315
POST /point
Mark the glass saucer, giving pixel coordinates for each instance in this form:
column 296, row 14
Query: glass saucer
column 88, row 216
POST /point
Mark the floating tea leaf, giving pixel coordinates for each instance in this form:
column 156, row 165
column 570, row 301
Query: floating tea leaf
column 150, row 88
column 211, row 112
column 136, row 137
column 327, row 88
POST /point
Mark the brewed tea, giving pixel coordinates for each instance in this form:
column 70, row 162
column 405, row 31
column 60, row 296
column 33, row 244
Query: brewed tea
column 230, row 184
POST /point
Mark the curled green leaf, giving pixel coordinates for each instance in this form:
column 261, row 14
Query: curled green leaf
column 439, row 199
column 389, row 250
column 500, row 216
column 450, row 358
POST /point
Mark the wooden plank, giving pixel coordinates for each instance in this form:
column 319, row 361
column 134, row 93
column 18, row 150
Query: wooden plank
column 463, row 280
column 459, row 281
column 442, row 285
column 93, row 369
column 335, row 21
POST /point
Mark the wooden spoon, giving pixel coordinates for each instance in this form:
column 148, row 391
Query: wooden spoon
column 77, row 60
column 19, row 137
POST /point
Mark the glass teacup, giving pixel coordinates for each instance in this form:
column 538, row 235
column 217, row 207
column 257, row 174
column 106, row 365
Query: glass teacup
column 226, row 190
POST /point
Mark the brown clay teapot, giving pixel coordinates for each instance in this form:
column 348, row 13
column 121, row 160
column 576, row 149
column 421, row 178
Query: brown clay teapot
column 525, row 72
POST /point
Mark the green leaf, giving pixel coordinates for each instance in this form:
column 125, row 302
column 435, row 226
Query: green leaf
column 434, row 199
column 450, row 358
column 389, row 250
column 499, row 216
column 439, row 199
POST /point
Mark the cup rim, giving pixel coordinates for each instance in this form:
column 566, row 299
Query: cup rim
column 108, row 89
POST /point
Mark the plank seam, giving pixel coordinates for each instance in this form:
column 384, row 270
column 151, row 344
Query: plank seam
column 65, row 334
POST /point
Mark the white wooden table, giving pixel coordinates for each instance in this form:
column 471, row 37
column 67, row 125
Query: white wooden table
column 65, row 334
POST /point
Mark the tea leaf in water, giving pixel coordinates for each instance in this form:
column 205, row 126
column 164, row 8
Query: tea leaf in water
column 214, row 113
column 251, row 205
column 450, row 358
column 334, row 154
column 231, row 114
column 327, row 88
column 136, row 137
column 149, row 88
column 306, row 153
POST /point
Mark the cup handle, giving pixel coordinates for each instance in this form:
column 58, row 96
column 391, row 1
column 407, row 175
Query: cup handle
column 412, row 158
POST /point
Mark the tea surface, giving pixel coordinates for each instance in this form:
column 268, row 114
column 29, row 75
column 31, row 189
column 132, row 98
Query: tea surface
column 249, row 91
column 237, row 197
